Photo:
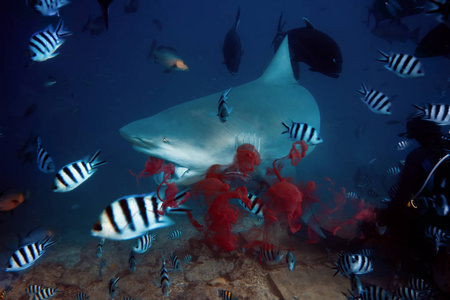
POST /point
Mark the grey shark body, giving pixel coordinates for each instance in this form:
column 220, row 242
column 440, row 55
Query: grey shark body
column 192, row 137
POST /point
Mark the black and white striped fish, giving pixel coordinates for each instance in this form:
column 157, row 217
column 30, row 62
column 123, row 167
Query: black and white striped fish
column 393, row 171
column 303, row 132
column 407, row 293
column 132, row 263
column 81, row 296
column 74, row 174
column 132, row 216
column 372, row 194
column 439, row 113
column 373, row 292
column 113, row 287
column 223, row 110
column 356, row 264
column 257, row 205
column 420, row 285
column 27, row 255
column 144, row 243
column 393, row 191
column 176, row 265
column 290, row 260
column 43, row 44
column 99, row 249
column 376, row 101
column 45, row 293
column 48, row 7
column 175, row 234
column 164, row 278
column 268, row 254
column 440, row 236
column 352, row 195
column 226, row 295
column 402, row 145
column 33, row 289
column 404, row 65
column 187, row 259
column 43, row 159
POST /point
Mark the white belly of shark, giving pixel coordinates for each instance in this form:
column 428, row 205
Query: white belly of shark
column 193, row 138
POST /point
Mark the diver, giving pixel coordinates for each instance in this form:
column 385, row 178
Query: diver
column 421, row 198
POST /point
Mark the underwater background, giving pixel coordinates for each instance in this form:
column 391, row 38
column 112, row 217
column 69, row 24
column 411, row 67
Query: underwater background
column 100, row 83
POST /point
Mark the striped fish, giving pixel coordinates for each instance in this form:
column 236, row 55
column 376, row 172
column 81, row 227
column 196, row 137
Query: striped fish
column 268, row 254
column 132, row 263
column 99, row 249
column 372, row 194
column 175, row 234
column 44, row 161
column 408, row 294
column 303, row 132
column 33, row 289
column 373, row 292
column 419, row 284
column 187, row 259
column 223, row 110
column 257, row 205
column 113, row 287
column 402, row 145
column 45, row 293
column 392, row 192
column 393, row 171
column 5, row 291
column 144, row 243
column 404, row 65
column 27, row 255
column 356, row 264
column 290, row 260
column 376, row 101
column 176, row 265
column 440, row 237
column 435, row 112
column 226, row 295
column 74, row 174
column 48, row 7
column 43, row 44
column 164, row 278
column 81, row 296
column 352, row 195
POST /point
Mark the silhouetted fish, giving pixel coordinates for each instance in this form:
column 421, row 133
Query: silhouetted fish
column 313, row 47
column 232, row 48
column 131, row 7
column 435, row 43
column 394, row 9
column 167, row 57
column 104, row 5
column 395, row 31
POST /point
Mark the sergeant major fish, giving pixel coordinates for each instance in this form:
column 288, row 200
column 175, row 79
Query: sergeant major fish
column 43, row 44
column 223, row 110
column 303, row 132
column 403, row 65
column 175, row 234
column 74, row 174
column 5, row 291
column 27, row 255
column 439, row 113
column 176, row 265
column 377, row 102
column 167, row 57
column 164, row 278
column 144, row 243
column 48, row 7
column 45, row 293
column 44, row 161
column 257, row 205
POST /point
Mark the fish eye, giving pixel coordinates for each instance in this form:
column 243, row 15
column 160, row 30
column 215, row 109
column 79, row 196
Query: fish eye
column 97, row 226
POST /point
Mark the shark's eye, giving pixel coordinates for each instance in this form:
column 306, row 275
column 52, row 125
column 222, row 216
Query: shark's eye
column 165, row 140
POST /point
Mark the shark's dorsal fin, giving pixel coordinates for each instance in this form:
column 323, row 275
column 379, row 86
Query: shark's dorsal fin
column 279, row 69
column 308, row 23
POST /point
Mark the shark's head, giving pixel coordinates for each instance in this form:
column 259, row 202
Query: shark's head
column 193, row 138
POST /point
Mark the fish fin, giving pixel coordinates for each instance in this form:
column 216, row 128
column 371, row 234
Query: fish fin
column 238, row 19
column 95, row 162
column 287, row 128
column 60, row 32
column 308, row 23
column 385, row 57
column 420, row 111
column 363, row 90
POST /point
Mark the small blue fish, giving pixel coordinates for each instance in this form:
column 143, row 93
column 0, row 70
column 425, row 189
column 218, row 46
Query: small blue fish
column 223, row 110
column 352, row 195
column 187, row 259
column 164, row 278
column 144, row 243
column 113, row 287
column 402, row 145
column 175, row 234
column 132, row 263
column 393, row 171
column 99, row 249
column 290, row 261
column 176, row 265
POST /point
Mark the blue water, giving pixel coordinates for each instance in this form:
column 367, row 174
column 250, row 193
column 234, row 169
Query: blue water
column 104, row 82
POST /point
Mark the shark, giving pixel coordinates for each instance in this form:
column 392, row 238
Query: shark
column 192, row 137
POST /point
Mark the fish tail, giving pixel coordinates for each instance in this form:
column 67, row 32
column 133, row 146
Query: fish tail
column 363, row 90
column 95, row 162
column 420, row 111
column 48, row 242
column 287, row 128
column 152, row 49
column 60, row 31
column 385, row 57
column 238, row 19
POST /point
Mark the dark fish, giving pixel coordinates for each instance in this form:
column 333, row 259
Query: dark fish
column 374, row 293
column 435, row 43
column 31, row 109
column 157, row 23
column 232, row 48
column 384, row 9
column 113, row 287
column 104, row 5
column 408, row 293
column 313, row 47
column 395, row 31
column 95, row 27
column 131, row 7
column 290, row 260
column 442, row 8
column 99, row 249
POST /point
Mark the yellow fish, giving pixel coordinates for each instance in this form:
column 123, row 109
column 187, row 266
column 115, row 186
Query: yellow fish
column 167, row 57
column 10, row 199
